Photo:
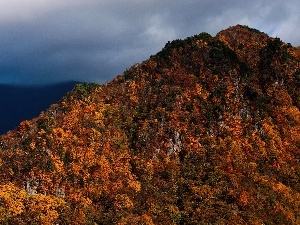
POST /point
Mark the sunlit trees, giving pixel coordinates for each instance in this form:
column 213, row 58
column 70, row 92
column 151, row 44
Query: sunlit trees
column 206, row 131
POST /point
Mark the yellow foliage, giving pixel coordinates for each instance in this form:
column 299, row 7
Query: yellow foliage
column 12, row 201
column 122, row 201
column 135, row 185
column 44, row 209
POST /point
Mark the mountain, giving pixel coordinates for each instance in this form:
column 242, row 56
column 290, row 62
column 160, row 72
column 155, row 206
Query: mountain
column 26, row 102
column 207, row 131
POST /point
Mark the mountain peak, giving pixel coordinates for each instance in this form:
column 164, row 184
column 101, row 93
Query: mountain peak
column 204, row 132
column 241, row 29
column 245, row 41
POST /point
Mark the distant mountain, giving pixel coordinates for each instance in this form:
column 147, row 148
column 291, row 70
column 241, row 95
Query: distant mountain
column 207, row 131
column 20, row 103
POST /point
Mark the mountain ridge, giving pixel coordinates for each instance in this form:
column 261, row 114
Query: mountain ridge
column 205, row 131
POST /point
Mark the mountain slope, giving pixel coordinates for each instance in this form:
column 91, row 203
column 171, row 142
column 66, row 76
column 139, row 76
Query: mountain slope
column 204, row 132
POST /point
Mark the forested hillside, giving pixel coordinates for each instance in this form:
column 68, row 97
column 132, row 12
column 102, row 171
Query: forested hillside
column 207, row 131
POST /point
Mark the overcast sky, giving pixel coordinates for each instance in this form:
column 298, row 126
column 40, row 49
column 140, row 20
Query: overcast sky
column 46, row 41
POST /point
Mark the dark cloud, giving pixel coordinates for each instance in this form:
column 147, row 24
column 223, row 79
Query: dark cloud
column 50, row 41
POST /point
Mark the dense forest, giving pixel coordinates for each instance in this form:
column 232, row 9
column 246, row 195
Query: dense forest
column 207, row 131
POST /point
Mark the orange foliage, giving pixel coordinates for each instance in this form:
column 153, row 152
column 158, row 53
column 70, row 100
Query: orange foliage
column 204, row 132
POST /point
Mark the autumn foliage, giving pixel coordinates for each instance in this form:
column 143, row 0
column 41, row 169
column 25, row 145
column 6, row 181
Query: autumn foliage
column 207, row 131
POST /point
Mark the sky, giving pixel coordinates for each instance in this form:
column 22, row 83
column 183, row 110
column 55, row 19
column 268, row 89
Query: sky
column 49, row 41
